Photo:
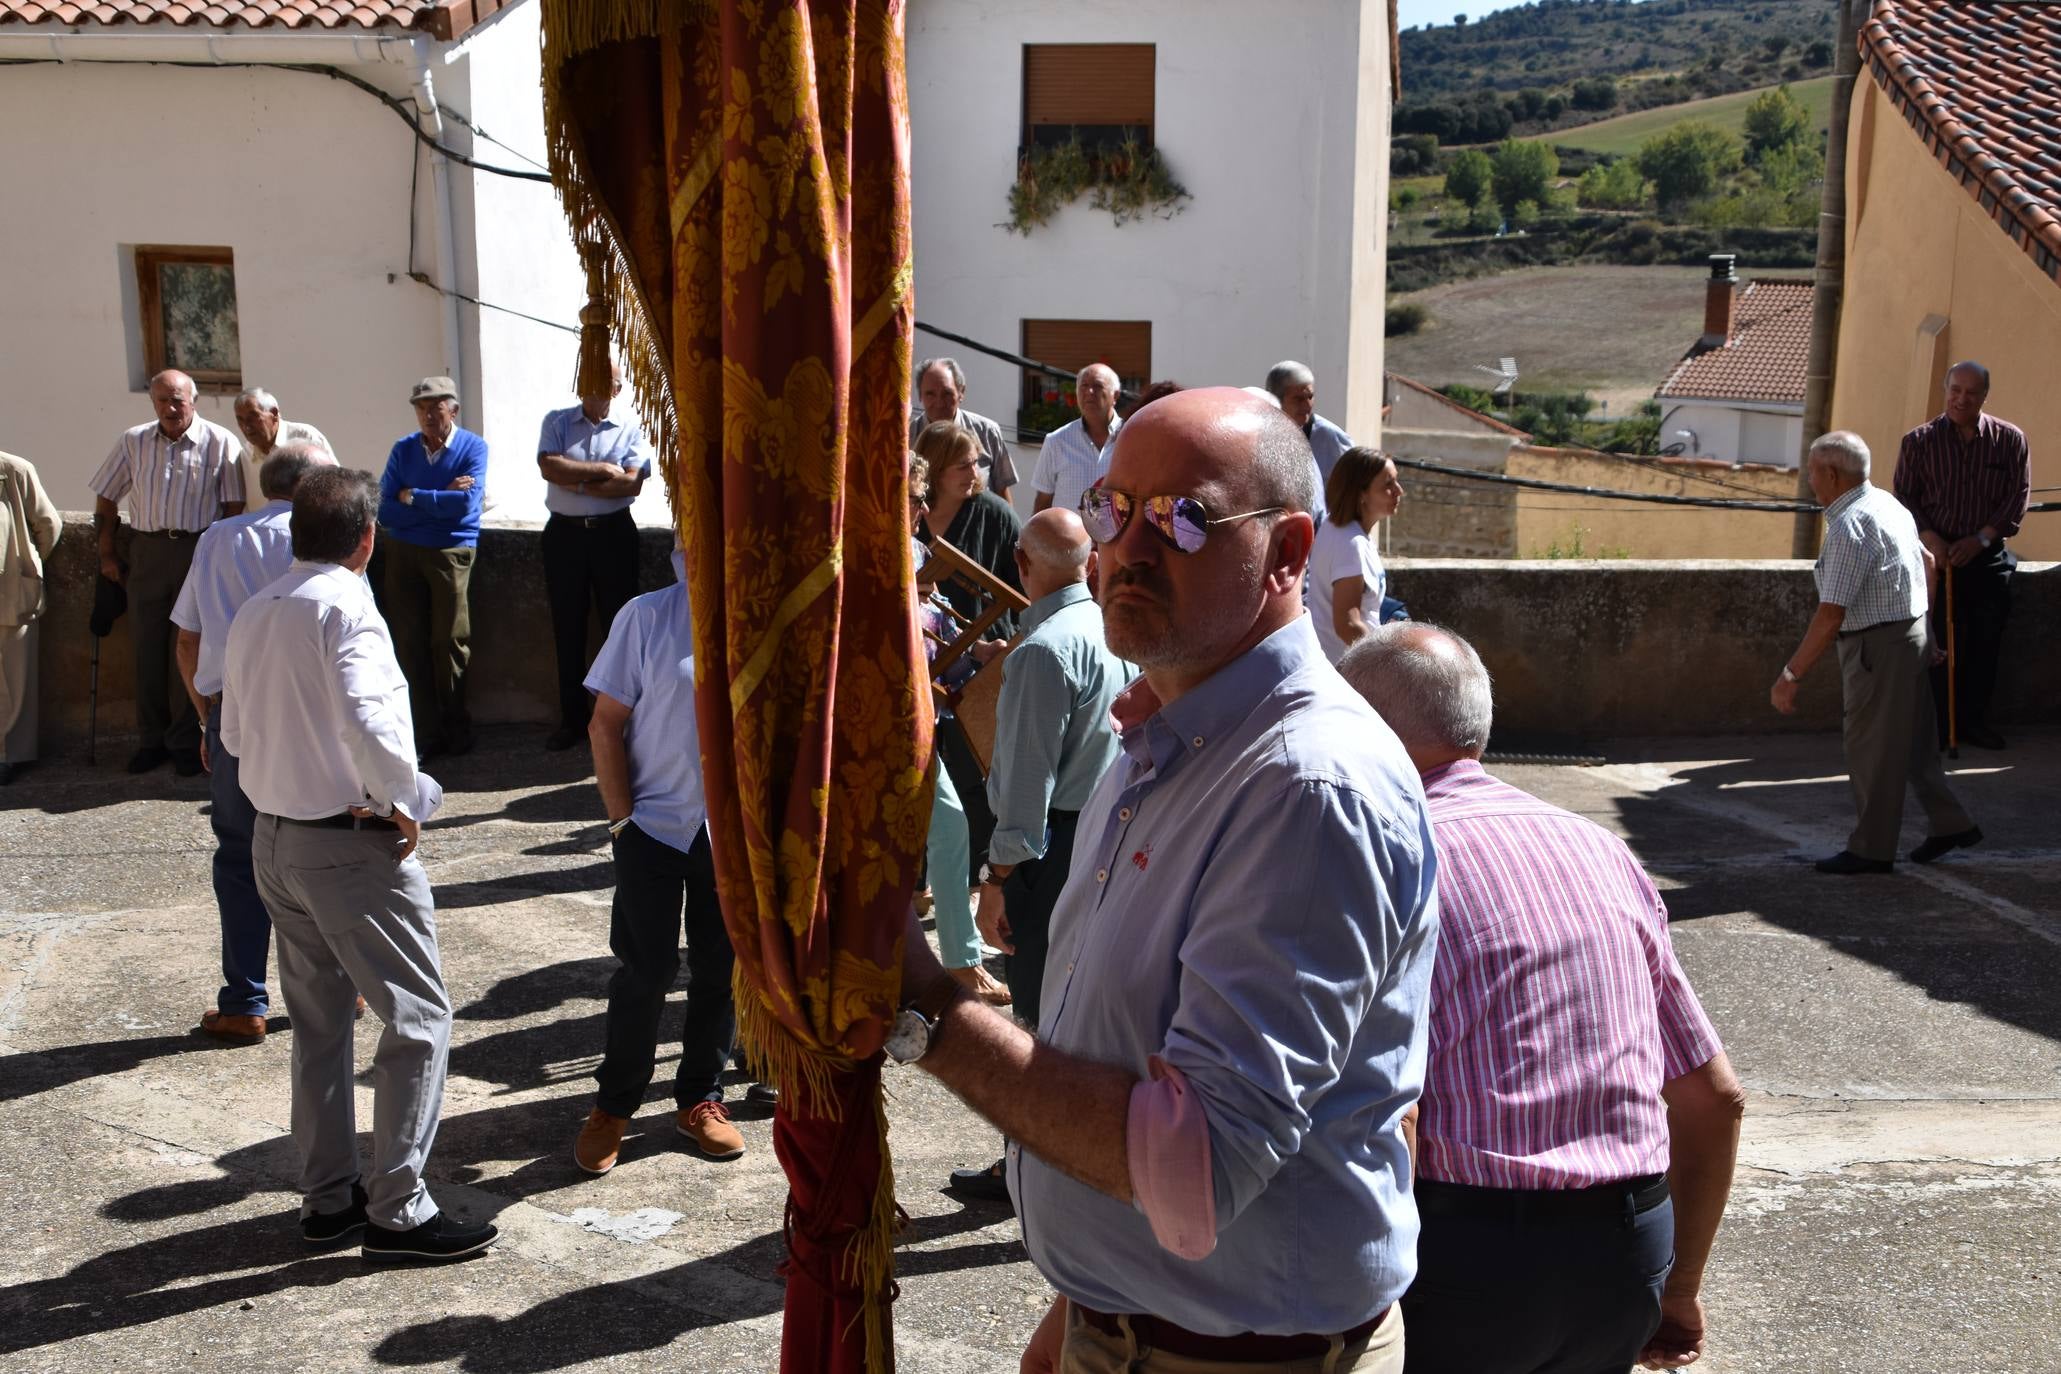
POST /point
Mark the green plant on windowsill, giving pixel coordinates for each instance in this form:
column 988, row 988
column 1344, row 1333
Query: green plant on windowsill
column 1128, row 179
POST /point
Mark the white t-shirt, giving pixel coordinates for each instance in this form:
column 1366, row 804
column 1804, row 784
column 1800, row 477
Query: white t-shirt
column 1344, row 551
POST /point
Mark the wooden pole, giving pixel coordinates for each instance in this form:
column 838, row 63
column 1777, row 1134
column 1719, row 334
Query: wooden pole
column 1830, row 276
column 1953, row 674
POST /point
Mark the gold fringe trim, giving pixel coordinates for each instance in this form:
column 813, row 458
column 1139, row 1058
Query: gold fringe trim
column 791, row 606
column 870, row 1258
column 800, row 1071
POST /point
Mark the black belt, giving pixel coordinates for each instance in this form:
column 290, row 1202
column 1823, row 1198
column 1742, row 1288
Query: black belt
column 1249, row 1347
column 1880, row 625
column 1640, row 1194
column 595, row 522
column 166, row 534
column 343, row 820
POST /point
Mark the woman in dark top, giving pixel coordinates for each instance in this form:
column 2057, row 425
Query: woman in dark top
column 965, row 515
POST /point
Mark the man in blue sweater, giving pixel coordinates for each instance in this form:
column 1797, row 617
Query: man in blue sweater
column 429, row 503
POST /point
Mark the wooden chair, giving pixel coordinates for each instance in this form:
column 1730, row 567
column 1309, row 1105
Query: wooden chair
column 974, row 700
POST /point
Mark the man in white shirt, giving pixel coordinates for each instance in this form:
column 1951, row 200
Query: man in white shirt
column 647, row 763
column 234, row 558
column 180, row 474
column 257, row 415
column 941, row 387
column 595, row 466
column 1076, row 455
column 316, row 709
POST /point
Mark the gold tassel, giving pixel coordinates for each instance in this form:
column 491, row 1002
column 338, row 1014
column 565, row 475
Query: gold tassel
column 591, row 378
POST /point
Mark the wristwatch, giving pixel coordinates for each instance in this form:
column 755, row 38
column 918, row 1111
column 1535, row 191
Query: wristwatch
column 1788, row 676
column 987, row 876
column 908, row 1039
column 1987, row 541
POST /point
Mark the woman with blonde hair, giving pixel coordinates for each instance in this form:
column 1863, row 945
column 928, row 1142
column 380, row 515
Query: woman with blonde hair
column 1346, row 579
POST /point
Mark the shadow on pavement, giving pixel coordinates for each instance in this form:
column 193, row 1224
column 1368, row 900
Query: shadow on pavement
column 37, row 1071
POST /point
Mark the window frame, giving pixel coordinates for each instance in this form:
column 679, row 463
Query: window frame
column 149, row 258
column 1095, row 134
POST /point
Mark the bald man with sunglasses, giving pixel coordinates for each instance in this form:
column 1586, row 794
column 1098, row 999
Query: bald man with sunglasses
column 1208, row 1130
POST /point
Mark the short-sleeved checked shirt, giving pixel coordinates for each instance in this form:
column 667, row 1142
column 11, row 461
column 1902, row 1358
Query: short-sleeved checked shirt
column 174, row 484
column 1872, row 562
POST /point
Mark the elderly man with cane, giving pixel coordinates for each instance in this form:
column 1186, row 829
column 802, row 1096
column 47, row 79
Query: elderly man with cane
column 1871, row 579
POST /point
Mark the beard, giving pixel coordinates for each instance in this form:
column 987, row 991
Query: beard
column 1149, row 630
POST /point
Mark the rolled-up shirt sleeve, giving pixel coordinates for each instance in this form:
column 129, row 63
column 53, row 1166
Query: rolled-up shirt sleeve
column 1290, row 938
column 374, row 706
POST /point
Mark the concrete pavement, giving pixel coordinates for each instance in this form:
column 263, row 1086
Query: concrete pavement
column 1897, row 1208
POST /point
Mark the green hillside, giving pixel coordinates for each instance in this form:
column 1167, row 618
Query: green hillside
column 1623, row 135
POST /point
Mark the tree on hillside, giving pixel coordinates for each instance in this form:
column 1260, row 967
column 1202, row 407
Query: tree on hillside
column 1468, row 179
column 1524, row 170
column 1612, row 186
column 1594, row 93
column 1688, row 161
column 1791, row 169
column 1818, row 54
column 1774, row 120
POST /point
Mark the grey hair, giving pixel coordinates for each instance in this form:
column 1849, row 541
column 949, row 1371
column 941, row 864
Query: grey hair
column 1973, row 369
column 279, row 474
column 1845, row 452
column 1288, row 373
column 261, row 398
column 1427, row 683
column 951, row 367
column 1115, row 382
column 1283, row 472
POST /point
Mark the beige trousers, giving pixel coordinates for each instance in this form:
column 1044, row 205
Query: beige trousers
column 1088, row 1351
column 18, row 692
column 1891, row 741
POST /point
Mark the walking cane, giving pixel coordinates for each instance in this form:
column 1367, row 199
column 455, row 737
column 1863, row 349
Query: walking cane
column 1953, row 673
column 93, row 705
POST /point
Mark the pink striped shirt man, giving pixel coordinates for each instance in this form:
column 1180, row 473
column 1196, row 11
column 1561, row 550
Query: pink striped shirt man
column 1557, row 1007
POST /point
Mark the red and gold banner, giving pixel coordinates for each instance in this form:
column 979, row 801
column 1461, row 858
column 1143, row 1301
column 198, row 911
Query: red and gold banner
column 736, row 172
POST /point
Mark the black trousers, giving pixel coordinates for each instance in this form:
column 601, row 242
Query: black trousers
column 653, row 881
column 1504, row 1285
column 1982, row 601
column 157, row 570
column 1028, row 895
column 972, row 788
column 588, row 560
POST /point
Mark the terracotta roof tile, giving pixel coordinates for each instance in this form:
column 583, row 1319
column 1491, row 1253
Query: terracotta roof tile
column 1976, row 80
column 445, row 18
column 1766, row 357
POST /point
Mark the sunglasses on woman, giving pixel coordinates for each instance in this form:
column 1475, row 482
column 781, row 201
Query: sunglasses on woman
column 1182, row 522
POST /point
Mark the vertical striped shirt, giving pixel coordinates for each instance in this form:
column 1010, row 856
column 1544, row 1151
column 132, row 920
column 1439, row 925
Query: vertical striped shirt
column 1557, row 1007
column 174, row 484
column 1070, row 462
column 1955, row 486
column 1871, row 562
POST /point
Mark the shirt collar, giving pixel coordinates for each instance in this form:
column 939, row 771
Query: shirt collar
column 1845, row 502
column 1157, row 735
column 1448, row 776
column 605, row 422
column 1051, row 604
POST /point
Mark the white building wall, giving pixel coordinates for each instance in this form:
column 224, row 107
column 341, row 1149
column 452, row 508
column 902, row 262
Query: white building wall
column 304, row 177
column 1264, row 112
column 1735, row 433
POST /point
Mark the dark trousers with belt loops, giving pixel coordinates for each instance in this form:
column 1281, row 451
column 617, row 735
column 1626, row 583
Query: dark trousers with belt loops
column 654, row 882
column 1982, row 602
column 1545, row 1282
column 1028, row 895
column 588, row 561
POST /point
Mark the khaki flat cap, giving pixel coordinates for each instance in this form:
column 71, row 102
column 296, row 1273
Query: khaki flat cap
column 434, row 389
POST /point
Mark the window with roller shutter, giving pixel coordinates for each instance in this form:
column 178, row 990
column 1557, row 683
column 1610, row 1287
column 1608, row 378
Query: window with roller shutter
column 1101, row 91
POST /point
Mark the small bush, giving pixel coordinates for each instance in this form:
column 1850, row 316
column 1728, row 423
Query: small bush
column 1403, row 317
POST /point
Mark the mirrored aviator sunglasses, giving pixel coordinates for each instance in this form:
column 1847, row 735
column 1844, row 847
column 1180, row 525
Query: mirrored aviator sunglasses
column 1181, row 522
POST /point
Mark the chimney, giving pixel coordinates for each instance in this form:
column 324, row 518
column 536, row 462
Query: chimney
column 1720, row 292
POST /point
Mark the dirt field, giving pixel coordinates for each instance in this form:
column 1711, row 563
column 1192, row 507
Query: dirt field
column 1614, row 330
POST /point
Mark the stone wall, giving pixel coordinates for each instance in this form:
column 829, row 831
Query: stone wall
column 1578, row 648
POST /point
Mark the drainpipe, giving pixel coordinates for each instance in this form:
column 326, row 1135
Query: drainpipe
column 1830, row 279
column 446, row 231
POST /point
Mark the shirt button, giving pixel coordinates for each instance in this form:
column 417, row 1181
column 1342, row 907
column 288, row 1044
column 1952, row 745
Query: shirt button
column 1124, row 814
column 1197, row 741
column 1101, row 875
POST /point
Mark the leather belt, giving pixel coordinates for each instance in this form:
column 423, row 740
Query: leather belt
column 1880, row 625
column 166, row 534
column 595, row 522
column 1636, row 1195
column 343, row 820
column 1246, row 1348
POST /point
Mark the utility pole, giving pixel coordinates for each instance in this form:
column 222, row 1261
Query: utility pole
column 1830, row 278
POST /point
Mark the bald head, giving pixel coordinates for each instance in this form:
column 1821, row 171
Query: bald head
column 282, row 472
column 1429, row 685
column 1053, row 552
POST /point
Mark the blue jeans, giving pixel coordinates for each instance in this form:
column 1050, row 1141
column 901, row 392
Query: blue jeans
column 949, row 860
column 246, row 925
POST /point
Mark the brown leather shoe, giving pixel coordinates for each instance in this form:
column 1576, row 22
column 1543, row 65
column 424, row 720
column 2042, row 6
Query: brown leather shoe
column 235, row 1030
column 707, row 1124
column 358, row 1012
column 601, row 1140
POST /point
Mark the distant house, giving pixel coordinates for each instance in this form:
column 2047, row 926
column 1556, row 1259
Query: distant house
column 1414, row 406
column 1954, row 226
column 1737, row 394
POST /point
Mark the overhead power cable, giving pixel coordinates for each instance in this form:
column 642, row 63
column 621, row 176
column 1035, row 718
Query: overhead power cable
column 1656, row 498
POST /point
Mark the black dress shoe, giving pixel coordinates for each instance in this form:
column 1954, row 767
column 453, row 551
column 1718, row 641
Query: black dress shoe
column 561, row 739
column 6, row 772
column 327, row 1228
column 186, row 763
column 1846, row 863
column 143, row 760
column 987, row 1184
column 1982, row 737
column 765, row 1094
column 1937, row 845
column 436, row 1240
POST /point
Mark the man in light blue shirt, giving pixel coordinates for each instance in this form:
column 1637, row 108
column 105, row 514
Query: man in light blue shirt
column 595, row 466
column 647, row 763
column 234, row 558
column 1295, row 387
column 1208, row 1133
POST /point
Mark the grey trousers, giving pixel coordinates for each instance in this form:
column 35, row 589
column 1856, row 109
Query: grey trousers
column 349, row 920
column 1890, row 738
